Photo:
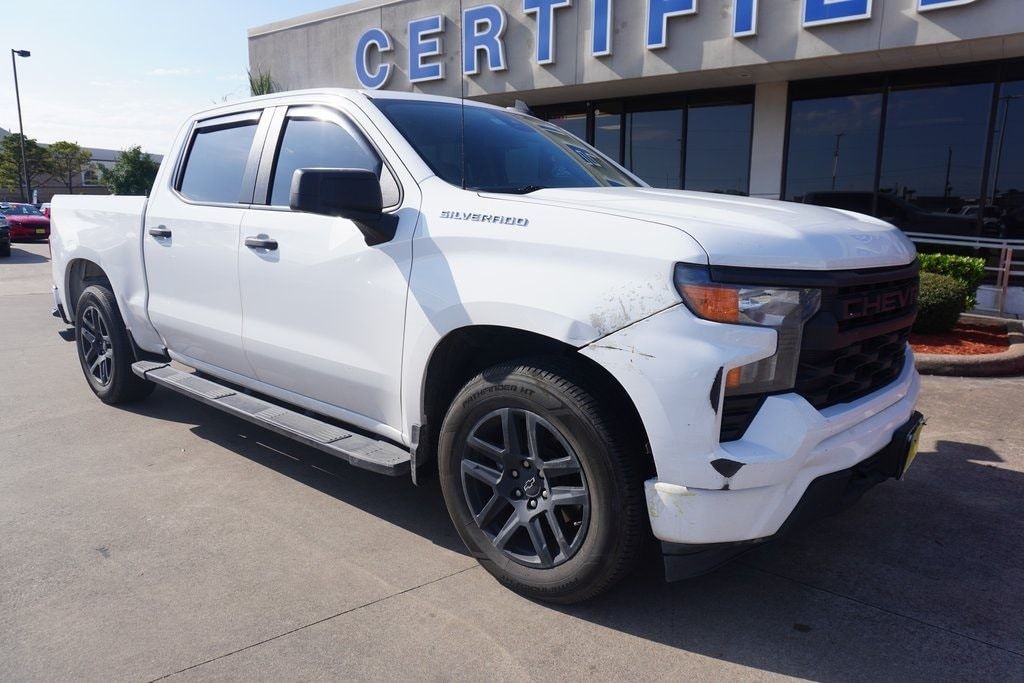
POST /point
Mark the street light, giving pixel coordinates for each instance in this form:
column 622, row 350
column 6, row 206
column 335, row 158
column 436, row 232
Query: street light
column 21, row 128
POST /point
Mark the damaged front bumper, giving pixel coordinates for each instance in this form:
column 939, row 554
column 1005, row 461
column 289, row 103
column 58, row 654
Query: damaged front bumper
column 707, row 492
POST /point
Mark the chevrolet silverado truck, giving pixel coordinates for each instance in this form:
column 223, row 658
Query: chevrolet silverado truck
column 423, row 285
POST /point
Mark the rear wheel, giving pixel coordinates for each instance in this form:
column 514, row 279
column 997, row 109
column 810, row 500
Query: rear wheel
column 104, row 349
column 543, row 487
column 5, row 250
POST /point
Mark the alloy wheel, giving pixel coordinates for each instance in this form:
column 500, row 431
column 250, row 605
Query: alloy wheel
column 525, row 487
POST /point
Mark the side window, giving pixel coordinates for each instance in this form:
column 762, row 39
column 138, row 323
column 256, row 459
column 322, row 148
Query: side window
column 319, row 143
column 216, row 163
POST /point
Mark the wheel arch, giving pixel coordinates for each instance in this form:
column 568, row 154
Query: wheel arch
column 466, row 351
column 79, row 274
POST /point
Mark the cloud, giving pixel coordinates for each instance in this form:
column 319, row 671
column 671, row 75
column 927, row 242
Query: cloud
column 176, row 71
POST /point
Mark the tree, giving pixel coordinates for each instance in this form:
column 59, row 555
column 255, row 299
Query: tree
column 132, row 174
column 67, row 160
column 37, row 158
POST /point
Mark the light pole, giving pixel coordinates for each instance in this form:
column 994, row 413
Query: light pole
column 1007, row 99
column 25, row 188
column 835, row 159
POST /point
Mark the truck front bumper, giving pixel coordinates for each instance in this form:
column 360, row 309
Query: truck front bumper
column 668, row 364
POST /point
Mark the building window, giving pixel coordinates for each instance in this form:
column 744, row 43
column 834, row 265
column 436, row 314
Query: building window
column 574, row 123
column 934, row 149
column 696, row 141
column 912, row 148
column 654, row 146
column 718, row 140
column 608, row 133
column 833, row 146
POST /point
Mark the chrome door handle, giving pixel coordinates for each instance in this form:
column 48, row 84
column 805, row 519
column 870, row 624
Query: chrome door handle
column 261, row 243
column 159, row 231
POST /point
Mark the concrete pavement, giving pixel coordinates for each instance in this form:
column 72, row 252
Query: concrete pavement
column 170, row 540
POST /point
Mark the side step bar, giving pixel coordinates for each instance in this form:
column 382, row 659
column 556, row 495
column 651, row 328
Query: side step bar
column 375, row 455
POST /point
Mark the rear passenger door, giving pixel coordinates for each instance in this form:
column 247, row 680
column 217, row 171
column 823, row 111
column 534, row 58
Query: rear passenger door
column 191, row 242
column 324, row 313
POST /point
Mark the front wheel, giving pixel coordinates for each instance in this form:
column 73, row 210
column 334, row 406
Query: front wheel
column 542, row 486
column 104, row 349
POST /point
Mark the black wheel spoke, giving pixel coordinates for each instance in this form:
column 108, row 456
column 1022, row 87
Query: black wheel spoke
column 481, row 472
column 560, row 466
column 489, row 510
column 532, row 425
column 488, row 449
column 568, row 495
column 556, row 528
column 510, row 527
column 540, row 544
column 510, row 433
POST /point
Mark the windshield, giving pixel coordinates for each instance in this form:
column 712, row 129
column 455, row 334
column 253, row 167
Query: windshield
column 20, row 210
column 505, row 151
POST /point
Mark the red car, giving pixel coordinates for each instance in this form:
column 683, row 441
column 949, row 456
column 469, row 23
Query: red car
column 26, row 221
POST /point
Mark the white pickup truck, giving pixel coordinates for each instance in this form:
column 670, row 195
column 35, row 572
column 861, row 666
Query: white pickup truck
column 415, row 283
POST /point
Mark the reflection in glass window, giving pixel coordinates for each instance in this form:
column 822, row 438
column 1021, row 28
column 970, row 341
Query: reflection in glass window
column 654, row 147
column 573, row 123
column 718, row 148
column 934, row 149
column 607, row 131
column 833, row 146
column 315, row 143
column 1005, row 216
column 216, row 163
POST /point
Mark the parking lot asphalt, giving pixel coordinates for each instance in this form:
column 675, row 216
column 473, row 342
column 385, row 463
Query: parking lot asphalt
column 166, row 539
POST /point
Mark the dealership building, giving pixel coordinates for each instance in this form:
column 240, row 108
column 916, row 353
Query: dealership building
column 848, row 102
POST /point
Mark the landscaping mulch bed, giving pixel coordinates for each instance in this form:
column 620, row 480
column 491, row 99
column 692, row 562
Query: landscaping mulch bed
column 966, row 339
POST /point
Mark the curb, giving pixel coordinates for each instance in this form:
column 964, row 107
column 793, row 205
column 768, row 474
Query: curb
column 1005, row 364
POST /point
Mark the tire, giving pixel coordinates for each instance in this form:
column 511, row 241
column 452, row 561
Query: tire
column 5, row 250
column 104, row 350
column 506, row 497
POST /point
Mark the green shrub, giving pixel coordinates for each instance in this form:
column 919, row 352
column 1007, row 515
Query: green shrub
column 970, row 270
column 940, row 303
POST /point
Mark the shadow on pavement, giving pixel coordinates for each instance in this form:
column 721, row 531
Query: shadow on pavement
column 903, row 583
column 21, row 256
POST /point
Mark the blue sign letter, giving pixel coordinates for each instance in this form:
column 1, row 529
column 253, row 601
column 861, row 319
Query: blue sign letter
column 818, row 12
column 374, row 38
column 482, row 28
column 744, row 18
column 419, row 48
column 925, row 5
column 658, row 13
column 601, row 40
column 545, row 11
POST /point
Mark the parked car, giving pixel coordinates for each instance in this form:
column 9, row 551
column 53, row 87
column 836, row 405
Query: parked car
column 5, row 238
column 899, row 212
column 26, row 221
column 413, row 283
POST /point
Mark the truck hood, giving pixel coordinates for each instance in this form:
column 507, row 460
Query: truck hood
column 745, row 232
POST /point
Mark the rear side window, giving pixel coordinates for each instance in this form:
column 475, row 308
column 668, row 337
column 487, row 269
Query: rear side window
column 320, row 143
column 216, row 163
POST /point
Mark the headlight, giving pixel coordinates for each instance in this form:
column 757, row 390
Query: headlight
column 782, row 309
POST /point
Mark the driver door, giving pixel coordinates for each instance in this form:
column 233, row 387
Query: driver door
column 323, row 313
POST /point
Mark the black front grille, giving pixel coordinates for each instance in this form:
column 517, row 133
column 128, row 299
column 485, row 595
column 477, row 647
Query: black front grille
column 853, row 346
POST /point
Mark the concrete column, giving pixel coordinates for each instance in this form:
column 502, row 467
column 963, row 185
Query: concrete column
column 768, row 148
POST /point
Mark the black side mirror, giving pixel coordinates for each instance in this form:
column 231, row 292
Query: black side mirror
column 352, row 193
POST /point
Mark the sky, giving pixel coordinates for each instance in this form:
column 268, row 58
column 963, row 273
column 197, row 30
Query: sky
column 117, row 73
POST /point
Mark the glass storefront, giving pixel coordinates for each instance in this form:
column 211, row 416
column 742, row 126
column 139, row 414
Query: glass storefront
column 693, row 141
column 927, row 149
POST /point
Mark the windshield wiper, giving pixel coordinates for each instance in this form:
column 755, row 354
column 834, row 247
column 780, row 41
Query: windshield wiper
column 512, row 189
